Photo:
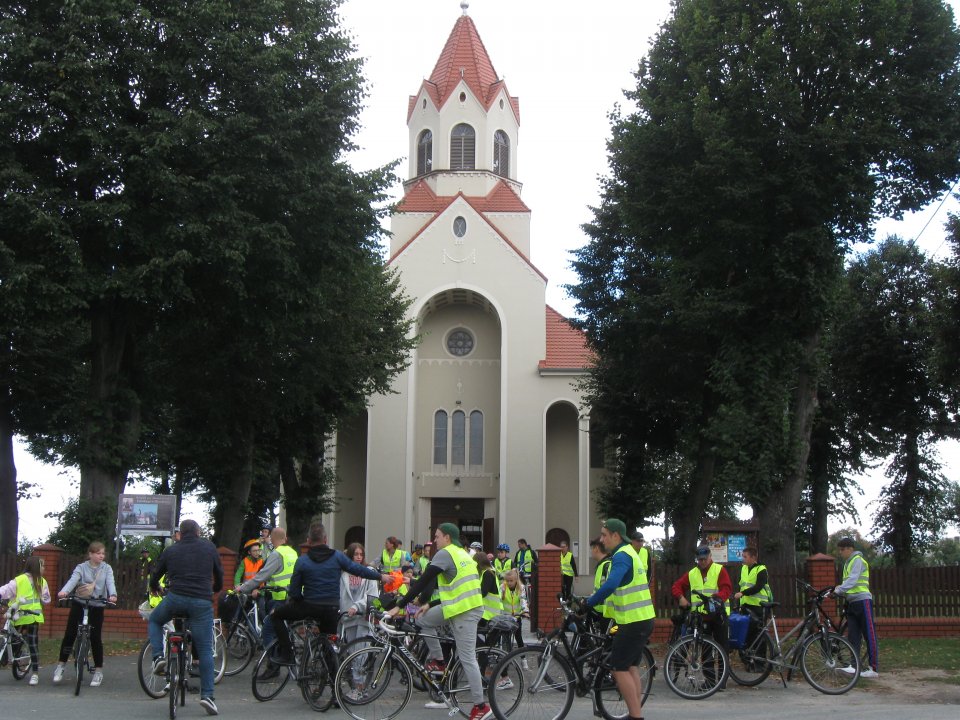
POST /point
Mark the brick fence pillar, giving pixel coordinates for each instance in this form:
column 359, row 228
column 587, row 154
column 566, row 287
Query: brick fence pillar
column 821, row 573
column 228, row 558
column 547, row 586
column 52, row 557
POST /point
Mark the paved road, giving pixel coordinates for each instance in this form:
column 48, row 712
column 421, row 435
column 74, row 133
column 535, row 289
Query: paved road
column 121, row 698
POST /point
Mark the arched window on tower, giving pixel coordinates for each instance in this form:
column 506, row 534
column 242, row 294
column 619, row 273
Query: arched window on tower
column 440, row 438
column 476, row 440
column 425, row 152
column 463, row 146
column 458, row 439
column 501, row 153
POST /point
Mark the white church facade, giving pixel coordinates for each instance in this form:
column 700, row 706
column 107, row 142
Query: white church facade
column 486, row 427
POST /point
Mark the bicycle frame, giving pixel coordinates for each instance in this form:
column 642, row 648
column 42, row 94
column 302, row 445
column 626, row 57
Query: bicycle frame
column 815, row 622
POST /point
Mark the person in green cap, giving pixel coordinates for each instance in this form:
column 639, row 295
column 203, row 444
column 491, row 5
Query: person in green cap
column 626, row 594
column 455, row 575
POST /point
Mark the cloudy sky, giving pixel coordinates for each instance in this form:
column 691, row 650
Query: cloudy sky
column 569, row 64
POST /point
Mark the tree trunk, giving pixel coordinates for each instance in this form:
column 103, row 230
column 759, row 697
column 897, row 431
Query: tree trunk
column 778, row 515
column 113, row 427
column 233, row 503
column 901, row 508
column 687, row 521
column 9, row 517
column 819, row 494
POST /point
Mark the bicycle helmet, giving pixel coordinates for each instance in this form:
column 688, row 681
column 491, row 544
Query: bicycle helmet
column 504, row 547
column 476, row 546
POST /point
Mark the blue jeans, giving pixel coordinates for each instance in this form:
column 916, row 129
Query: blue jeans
column 269, row 633
column 200, row 612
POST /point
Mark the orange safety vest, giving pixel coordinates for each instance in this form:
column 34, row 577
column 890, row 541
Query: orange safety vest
column 250, row 567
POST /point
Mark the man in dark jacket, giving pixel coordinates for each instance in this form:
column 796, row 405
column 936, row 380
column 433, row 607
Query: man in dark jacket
column 314, row 591
column 194, row 575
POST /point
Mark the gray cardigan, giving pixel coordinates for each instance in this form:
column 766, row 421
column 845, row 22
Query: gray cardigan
column 85, row 572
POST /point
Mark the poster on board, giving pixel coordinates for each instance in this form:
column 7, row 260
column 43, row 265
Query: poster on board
column 146, row 514
column 718, row 546
column 736, row 542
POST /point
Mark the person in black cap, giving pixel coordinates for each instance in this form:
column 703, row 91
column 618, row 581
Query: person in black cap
column 636, row 539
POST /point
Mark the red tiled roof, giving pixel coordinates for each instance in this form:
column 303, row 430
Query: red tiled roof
column 421, row 198
column 464, row 57
column 566, row 346
column 502, row 198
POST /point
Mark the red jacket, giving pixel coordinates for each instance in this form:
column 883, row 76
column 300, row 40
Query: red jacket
column 724, row 587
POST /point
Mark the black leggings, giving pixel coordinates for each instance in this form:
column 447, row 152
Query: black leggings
column 69, row 637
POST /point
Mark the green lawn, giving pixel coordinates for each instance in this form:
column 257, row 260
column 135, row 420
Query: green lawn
column 921, row 654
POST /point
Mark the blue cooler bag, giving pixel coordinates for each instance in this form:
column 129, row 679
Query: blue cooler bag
column 739, row 624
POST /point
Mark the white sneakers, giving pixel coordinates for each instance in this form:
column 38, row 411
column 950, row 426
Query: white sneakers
column 58, row 673
column 505, row 683
column 849, row 670
column 35, row 679
column 96, row 679
column 435, row 705
column 869, row 673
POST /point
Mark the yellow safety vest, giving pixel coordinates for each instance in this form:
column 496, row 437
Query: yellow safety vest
column 708, row 587
column 281, row 578
column 154, row 600
column 391, row 563
column 27, row 599
column 631, row 603
column 512, row 601
column 491, row 602
column 501, row 566
column 566, row 564
column 748, row 578
column 603, row 569
column 525, row 561
column 863, row 583
column 463, row 592
column 644, row 555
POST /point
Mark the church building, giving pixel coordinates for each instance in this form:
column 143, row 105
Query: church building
column 486, row 427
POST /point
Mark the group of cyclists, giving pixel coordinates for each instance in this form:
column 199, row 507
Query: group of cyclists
column 442, row 583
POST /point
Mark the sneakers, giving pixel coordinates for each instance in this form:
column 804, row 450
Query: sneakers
column 209, row 705
column 435, row 705
column 35, row 679
column 524, row 664
column 869, row 673
column 505, row 683
column 481, row 712
column 849, row 670
column 160, row 665
column 95, row 680
column 436, row 666
column 357, row 695
column 273, row 670
column 57, row 674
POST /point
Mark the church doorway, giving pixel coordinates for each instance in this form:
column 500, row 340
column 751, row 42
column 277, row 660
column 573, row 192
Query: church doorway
column 465, row 513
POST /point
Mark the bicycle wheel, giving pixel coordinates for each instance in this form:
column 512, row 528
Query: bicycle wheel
column 373, row 684
column 316, row 685
column 751, row 665
column 80, row 660
column 154, row 686
column 456, row 686
column 695, row 667
column 219, row 657
column 240, row 648
column 543, row 685
column 822, row 659
column 21, row 659
column 607, row 694
column 268, row 677
column 174, row 678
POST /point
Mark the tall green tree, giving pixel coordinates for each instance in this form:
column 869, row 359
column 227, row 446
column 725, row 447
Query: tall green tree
column 885, row 361
column 192, row 155
column 765, row 139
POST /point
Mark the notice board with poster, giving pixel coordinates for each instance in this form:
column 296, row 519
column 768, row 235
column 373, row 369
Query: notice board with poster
column 728, row 538
column 146, row 515
column 718, row 546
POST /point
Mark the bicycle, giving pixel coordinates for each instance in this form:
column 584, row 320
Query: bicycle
column 546, row 676
column 14, row 649
column 81, row 646
column 819, row 653
column 157, row 686
column 271, row 677
column 696, row 666
column 376, row 682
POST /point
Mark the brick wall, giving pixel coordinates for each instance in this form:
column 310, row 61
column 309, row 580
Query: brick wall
column 547, row 586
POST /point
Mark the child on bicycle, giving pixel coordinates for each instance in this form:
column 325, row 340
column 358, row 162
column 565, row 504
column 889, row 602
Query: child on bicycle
column 29, row 591
column 93, row 570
